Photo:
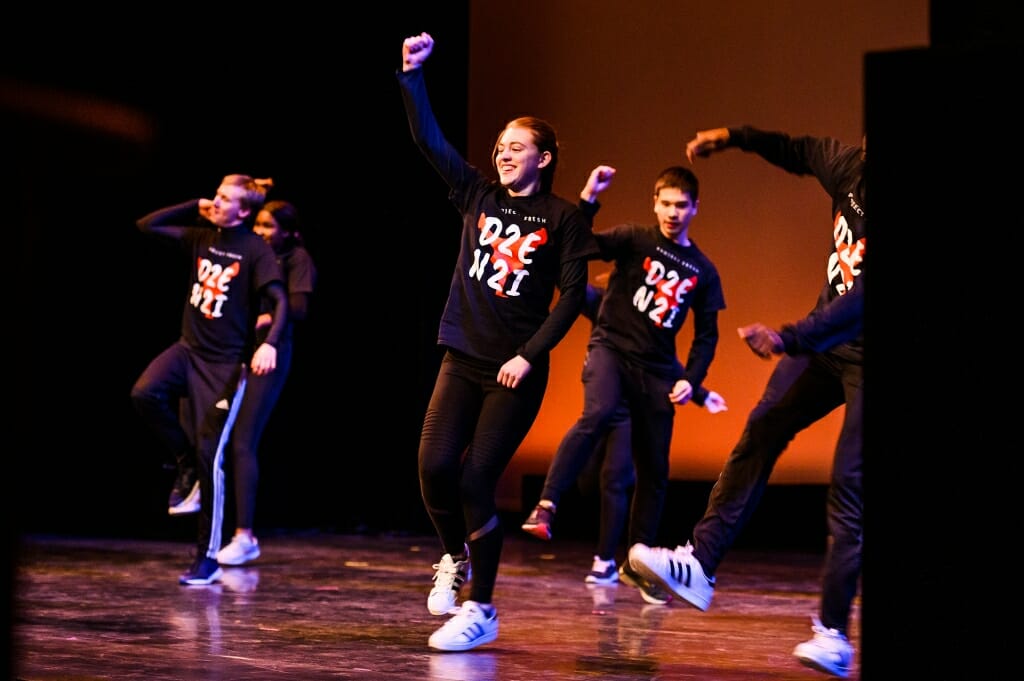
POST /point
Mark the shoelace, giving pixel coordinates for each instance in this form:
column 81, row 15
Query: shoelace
column 681, row 554
column 820, row 629
column 464, row 621
column 445, row 574
column 448, row 573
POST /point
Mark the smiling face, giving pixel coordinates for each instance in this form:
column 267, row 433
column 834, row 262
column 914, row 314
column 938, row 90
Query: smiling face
column 268, row 228
column 519, row 161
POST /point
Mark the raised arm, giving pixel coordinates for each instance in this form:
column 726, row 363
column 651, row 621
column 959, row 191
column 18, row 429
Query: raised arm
column 172, row 221
column 426, row 132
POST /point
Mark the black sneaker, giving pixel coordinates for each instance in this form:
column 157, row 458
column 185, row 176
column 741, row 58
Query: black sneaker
column 203, row 571
column 184, row 496
column 539, row 522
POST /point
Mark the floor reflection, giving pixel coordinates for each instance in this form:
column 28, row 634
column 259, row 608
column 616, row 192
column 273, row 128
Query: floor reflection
column 326, row 606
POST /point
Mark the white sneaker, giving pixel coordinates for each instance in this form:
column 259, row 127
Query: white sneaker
column 602, row 572
column 469, row 628
column 678, row 571
column 241, row 550
column 448, row 579
column 829, row 651
column 184, row 500
column 652, row 592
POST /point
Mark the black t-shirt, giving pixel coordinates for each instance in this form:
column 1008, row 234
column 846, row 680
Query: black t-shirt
column 229, row 267
column 514, row 253
column 654, row 284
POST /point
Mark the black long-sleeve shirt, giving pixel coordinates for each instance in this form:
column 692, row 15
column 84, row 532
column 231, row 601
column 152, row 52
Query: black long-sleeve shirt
column 836, row 322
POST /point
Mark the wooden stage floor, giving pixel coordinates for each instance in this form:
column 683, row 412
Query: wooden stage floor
column 334, row 606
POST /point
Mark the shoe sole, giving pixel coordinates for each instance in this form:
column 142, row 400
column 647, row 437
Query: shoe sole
column 629, row 580
column 604, row 581
column 183, row 509
column 811, row 663
column 461, row 647
column 197, row 581
column 191, row 503
column 450, row 611
column 247, row 558
column 538, row 531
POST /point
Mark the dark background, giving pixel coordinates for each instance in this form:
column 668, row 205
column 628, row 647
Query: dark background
column 942, row 489
column 102, row 126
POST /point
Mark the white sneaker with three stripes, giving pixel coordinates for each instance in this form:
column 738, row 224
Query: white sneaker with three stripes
column 676, row 570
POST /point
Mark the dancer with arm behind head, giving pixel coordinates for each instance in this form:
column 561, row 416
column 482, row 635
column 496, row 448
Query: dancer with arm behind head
column 231, row 269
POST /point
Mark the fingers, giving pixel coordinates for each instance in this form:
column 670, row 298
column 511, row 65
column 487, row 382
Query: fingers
column 758, row 338
column 419, row 42
column 760, row 346
column 715, row 407
column 691, row 150
column 705, row 142
column 601, row 175
column 508, row 379
column 681, row 392
column 514, row 372
column 698, row 146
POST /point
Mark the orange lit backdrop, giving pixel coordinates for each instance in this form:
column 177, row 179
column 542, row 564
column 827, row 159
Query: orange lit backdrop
column 629, row 89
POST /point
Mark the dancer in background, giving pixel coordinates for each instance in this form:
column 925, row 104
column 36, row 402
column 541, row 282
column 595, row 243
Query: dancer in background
column 231, row 270
column 660, row 276
column 279, row 225
column 611, row 468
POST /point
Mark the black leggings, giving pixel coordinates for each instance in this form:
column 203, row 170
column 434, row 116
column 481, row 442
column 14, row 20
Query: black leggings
column 472, row 428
